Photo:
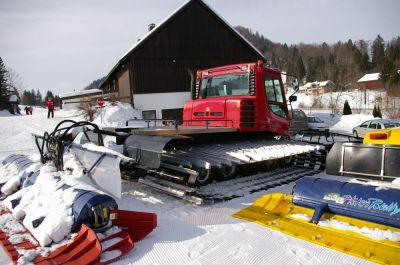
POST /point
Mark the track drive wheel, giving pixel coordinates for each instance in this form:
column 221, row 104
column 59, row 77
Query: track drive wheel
column 206, row 176
column 287, row 161
column 227, row 173
column 269, row 165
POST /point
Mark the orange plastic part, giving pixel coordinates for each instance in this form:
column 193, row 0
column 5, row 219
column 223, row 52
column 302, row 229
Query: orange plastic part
column 85, row 248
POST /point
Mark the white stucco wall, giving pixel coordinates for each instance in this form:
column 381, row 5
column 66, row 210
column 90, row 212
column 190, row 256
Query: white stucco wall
column 160, row 101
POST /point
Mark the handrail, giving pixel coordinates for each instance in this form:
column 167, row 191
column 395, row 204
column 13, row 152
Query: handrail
column 176, row 123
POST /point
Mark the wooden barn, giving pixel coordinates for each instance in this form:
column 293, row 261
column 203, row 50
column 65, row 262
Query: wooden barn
column 371, row 82
column 153, row 74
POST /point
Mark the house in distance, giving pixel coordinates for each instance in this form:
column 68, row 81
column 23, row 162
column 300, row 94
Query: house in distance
column 153, row 74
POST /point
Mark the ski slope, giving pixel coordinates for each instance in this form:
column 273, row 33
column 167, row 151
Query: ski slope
column 186, row 234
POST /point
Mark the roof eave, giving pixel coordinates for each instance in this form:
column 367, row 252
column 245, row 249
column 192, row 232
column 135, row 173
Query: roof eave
column 175, row 13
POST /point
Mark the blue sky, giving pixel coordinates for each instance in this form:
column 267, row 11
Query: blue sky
column 64, row 45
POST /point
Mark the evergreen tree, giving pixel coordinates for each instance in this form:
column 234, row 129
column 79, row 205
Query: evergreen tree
column 311, row 70
column 378, row 112
column 346, row 108
column 3, row 79
column 28, row 98
column 378, row 51
column 389, row 74
column 300, row 69
column 25, row 98
column 39, row 100
column 32, row 97
column 374, row 112
column 49, row 94
column 3, row 86
column 95, row 84
column 365, row 64
column 57, row 101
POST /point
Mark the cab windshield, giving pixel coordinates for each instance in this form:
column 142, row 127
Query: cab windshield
column 225, row 85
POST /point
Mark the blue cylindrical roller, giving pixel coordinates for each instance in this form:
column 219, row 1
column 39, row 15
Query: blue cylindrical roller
column 92, row 208
column 358, row 200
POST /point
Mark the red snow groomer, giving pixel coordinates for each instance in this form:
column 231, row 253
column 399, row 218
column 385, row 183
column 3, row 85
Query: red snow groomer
column 62, row 210
column 236, row 124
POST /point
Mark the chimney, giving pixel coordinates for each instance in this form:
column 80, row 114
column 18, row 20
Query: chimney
column 151, row 26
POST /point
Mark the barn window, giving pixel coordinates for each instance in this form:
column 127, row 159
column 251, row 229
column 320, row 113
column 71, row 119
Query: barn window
column 149, row 114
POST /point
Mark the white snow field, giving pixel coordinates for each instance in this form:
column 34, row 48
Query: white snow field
column 186, row 234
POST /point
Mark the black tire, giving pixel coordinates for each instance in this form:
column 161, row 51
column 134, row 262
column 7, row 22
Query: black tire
column 227, row 173
column 271, row 164
column 287, row 161
column 206, row 176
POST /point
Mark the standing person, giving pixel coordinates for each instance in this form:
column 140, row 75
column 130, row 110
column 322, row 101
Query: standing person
column 50, row 107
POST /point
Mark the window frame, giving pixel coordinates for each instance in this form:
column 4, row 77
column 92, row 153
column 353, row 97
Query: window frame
column 146, row 112
column 272, row 103
column 203, row 93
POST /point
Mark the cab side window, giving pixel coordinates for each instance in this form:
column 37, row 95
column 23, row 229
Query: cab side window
column 273, row 89
column 273, row 92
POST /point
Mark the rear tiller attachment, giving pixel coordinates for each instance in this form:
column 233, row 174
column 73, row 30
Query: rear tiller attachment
column 353, row 217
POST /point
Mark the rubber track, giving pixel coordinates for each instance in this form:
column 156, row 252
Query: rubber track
column 230, row 189
column 242, row 186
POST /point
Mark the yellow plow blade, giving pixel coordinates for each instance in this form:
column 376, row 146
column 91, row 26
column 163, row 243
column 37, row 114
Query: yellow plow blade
column 275, row 211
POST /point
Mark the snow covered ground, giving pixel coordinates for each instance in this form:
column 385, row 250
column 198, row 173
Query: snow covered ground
column 187, row 234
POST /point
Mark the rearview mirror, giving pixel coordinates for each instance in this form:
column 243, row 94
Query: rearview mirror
column 295, row 84
column 292, row 98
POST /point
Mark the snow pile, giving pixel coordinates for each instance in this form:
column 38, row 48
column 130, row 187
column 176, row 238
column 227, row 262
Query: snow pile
column 396, row 182
column 355, row 99
column 380, row 185
column 46, row 206
column 348, row 122
column 109, row 255
column 374, row 233
column 116, row 114
column 329, row 118
column 5, row 113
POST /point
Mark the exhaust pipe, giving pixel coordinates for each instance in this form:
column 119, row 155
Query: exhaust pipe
column 193, row 91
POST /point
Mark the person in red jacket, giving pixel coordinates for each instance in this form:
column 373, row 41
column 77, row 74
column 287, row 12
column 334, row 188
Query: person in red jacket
column 50, row 107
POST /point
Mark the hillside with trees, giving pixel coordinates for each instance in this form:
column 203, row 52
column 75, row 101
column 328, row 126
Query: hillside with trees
column 342, row 62
column 95, row 84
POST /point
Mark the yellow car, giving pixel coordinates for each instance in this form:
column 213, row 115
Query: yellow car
column 385, row 136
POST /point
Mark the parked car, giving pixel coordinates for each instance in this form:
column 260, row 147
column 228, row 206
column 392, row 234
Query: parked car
column 299, row 122
column 363, row 128
column 315, row 123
